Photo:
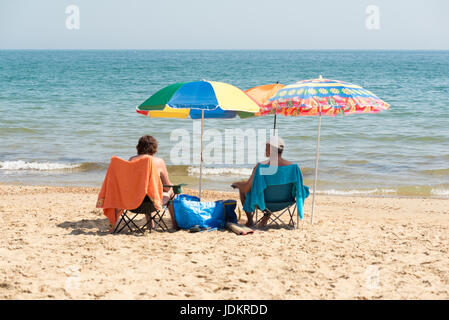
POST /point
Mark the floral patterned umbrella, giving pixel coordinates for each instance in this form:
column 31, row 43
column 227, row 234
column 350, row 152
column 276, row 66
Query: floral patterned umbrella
column 322, row 97
column 318, row 97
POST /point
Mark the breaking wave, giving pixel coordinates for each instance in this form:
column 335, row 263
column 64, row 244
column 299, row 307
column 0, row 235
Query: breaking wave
column 18, row 165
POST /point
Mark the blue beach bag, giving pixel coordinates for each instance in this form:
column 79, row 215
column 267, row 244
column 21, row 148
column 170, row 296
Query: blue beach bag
column 190, row 212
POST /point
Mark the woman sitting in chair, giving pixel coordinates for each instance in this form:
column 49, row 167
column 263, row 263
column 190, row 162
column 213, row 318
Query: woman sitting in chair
column 276, row 144
column 147, row 145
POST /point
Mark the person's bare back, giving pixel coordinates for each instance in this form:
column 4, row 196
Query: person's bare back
column 147, row 147
column 276, row 145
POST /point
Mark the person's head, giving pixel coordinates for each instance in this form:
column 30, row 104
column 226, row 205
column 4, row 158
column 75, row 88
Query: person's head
column 275, row 142
column 146, row 145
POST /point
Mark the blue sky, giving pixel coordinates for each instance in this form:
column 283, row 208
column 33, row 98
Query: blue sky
column 226, row 24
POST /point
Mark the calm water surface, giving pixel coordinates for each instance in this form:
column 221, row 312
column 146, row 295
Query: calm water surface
column 63, row 114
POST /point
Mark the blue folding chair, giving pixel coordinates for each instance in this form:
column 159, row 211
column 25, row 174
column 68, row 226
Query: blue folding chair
column 282, row 191
column 279, row 198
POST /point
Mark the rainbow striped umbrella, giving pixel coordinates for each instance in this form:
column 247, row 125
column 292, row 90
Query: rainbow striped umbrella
column 317, row 97
column 199, row 100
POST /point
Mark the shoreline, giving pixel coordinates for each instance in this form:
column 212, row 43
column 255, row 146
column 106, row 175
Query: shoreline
column 193, row 191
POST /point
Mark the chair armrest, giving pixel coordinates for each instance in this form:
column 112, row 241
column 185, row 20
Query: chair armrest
column 177, row 188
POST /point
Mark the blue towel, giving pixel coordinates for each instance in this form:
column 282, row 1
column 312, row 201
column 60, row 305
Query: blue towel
column 285, row 174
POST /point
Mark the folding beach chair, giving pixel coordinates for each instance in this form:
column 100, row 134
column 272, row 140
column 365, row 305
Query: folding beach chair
column 147, row 208
column 279, row 199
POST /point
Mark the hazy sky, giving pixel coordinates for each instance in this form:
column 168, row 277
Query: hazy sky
column 224, row 24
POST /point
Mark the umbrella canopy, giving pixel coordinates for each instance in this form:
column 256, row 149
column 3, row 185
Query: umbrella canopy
column 317, row 97
column 322, row 97
column 264, row 92
column 193, row 99
column 198, row 100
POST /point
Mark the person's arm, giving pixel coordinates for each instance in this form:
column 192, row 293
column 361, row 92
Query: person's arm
column 249, row 183
column 164, row 175
column 245, row 186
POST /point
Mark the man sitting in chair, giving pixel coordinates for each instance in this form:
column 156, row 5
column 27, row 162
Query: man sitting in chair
column 147, row 146
column 275, row 144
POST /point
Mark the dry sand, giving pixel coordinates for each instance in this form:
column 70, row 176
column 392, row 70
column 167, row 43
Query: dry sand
column 55, row 244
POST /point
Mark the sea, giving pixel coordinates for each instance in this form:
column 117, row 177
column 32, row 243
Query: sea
column 65, row 113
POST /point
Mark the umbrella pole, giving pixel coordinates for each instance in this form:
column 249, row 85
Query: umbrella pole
column 202, row 148
column 275, row 115
column 317, row 156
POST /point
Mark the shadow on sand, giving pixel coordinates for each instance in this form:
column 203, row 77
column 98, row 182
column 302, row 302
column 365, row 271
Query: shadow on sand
column 99, row 227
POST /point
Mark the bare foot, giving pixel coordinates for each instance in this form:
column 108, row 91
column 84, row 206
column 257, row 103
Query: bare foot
column 249, row 219
column 149, row 221
column 249, row 223
column 263, row 222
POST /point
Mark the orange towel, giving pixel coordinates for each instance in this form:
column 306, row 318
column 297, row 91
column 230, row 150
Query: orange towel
column 126, row 184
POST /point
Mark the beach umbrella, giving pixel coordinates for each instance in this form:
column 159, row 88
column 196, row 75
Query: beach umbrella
column 322, row 97
column 199, row 100
column 262, row 93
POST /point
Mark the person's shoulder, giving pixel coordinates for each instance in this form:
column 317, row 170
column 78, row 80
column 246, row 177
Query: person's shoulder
column 259, row 163
column 135, row 157
column 140, row 156
column 158, row 160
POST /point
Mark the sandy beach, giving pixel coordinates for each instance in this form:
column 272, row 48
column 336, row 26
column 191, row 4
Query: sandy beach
column 55, row 245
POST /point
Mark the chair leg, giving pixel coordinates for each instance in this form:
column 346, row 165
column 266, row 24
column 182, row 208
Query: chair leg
column 134, row 224
column 159, row 221
column 276, row 219
column 291, row 218
column 291, row 213
column 118, row 224
column 127, row 223
column 265, row 212
column 257, row 220
column 163, row 225
column 157, row 218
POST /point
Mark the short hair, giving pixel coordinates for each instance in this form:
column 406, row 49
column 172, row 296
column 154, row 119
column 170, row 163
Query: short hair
column 147, row 145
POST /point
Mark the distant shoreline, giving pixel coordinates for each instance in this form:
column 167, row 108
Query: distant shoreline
column 237, row 50
column 192, row 191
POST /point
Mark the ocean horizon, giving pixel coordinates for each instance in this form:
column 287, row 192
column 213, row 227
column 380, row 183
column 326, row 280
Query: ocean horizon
column 64, row 113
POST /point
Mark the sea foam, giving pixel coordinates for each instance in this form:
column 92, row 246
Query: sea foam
column 231, row 171
column 37, row 166
column 440, row 192
column 356, row 192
